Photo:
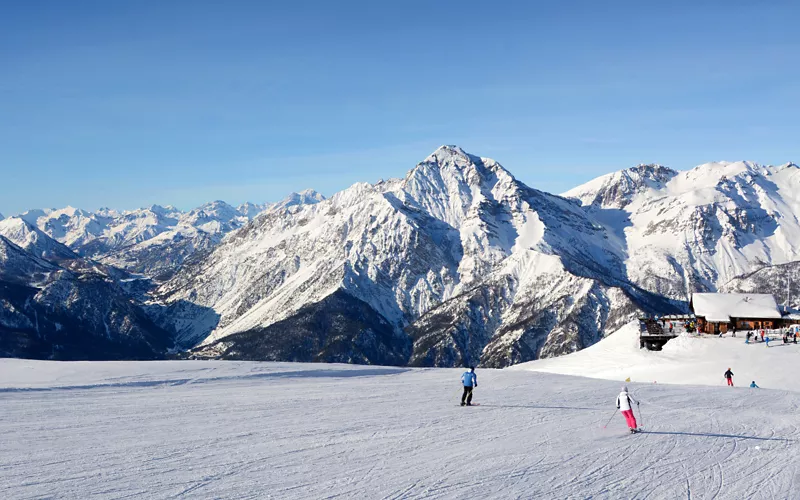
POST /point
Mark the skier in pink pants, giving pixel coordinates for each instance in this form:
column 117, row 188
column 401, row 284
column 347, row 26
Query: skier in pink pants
column 624, row 404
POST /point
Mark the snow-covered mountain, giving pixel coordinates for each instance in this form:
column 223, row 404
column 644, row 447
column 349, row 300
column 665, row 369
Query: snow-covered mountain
column 456, row 263
column 35, row 241
column 697, row 230
column 155, row 240
column 73, row 312
column 70, row 226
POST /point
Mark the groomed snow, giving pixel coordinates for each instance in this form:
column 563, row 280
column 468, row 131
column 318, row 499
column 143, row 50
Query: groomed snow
column 694, row 360
column 280, row 430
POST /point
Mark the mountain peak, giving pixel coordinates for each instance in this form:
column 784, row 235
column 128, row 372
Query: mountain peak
column 30, row 238
column 617, row 188
column 311, row 194
column 450, row 154
column 453, row 157
column 304, row 197
column 447, row 149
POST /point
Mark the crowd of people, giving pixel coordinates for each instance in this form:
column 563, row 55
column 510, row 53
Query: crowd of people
column 788, row 335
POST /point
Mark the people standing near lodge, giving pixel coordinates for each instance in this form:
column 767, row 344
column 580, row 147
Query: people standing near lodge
column 747, row 337
column 469, row 380
column 762, row 335
column 729, row 376
column 624, row 405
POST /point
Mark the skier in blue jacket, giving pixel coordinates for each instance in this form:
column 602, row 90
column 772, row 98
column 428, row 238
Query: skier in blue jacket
column 470, row 380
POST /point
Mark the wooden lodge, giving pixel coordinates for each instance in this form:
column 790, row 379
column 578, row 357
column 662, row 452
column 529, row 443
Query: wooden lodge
column 722, row 312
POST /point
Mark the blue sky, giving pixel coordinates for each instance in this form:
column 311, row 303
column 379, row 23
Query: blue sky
column 125, row 104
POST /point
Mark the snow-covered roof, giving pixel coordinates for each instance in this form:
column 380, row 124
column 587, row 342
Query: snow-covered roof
column 720, row 307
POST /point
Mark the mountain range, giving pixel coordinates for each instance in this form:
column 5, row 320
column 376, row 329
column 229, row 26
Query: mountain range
column 457, row 263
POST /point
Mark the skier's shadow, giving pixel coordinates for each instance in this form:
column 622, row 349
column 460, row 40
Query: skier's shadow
column 729, row 436
column 533, row 407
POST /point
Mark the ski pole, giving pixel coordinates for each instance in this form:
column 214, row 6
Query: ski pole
column 612, row 416
column 641, row 417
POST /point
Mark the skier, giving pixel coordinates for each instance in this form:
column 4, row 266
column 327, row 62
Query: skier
column 470, row 380
column 729, row 376
column 753, row 385
column 747, row 337
column 624, row 401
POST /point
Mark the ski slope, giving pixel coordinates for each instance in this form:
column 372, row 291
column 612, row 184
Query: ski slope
column 693, row 360
column 210, row 429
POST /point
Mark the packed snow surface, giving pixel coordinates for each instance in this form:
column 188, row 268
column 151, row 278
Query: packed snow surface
column 281, row 430
column 698, row 360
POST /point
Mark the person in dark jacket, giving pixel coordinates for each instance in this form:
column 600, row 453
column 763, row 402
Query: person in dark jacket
column 729, row 376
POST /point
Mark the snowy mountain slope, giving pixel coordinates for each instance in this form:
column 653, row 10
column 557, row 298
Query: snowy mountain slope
column 698, row 229
column 161, row 255
column 19, row 266
column 221, row 430
column 458, row 232
column 79, row 311
column 684, row 360
column 781, row 280
column 32, row 239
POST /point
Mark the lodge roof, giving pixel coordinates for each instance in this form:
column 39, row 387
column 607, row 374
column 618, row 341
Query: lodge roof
column 720, row 307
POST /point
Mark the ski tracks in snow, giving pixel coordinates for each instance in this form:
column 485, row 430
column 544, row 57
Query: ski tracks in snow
column 329, row 434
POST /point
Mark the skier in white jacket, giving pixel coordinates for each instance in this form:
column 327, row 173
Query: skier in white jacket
column 624, row 404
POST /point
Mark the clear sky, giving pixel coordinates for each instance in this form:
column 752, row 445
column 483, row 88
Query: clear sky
column 129, row 103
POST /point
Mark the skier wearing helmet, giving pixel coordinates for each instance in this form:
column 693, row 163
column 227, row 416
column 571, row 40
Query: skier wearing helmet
column 624, row 404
